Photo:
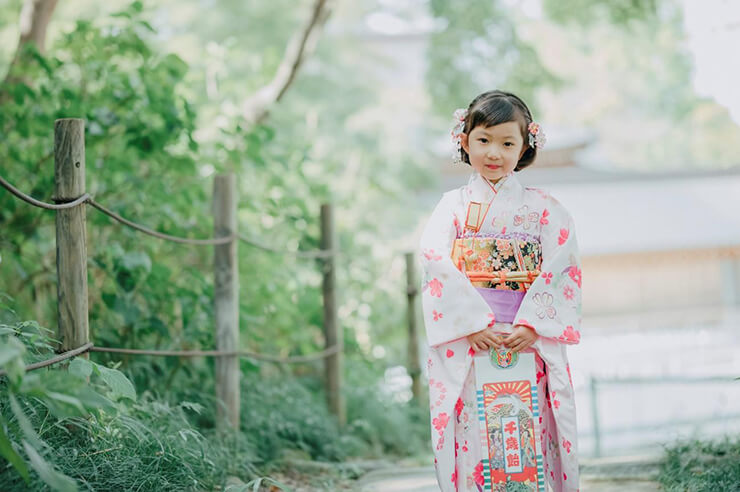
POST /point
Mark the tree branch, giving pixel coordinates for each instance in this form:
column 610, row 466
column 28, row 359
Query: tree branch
column 256, row 107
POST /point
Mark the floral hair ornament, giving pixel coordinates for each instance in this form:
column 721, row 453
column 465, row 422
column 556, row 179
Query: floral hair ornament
column 459, row 115
column 537, row 137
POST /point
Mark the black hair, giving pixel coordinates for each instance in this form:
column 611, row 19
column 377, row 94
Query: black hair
column 496, row 107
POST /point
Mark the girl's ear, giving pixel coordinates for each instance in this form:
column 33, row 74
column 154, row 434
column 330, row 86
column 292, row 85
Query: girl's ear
column 464, row 142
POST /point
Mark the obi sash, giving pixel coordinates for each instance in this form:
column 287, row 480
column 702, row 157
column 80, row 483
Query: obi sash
column 515, row 256
column 483, row 259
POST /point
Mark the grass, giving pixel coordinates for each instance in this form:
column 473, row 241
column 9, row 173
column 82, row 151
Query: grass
column 166, row 439
column 162, row 442
column 697, row 466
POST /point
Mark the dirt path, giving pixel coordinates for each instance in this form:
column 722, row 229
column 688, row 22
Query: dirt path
column 631, row 473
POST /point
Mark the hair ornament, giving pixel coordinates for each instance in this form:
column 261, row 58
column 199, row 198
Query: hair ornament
column 537, row 137
column 459, row 117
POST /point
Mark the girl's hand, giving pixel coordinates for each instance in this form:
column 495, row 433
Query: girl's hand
column 521, row 338
column 484, row 339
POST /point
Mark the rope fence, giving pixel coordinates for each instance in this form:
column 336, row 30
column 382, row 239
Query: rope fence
column 38, row 203
column 55, row 360
column 72, row 292
column 86, row 198
column 320, row 253
column 297, row 359
column 89, row 347
column 160, row 235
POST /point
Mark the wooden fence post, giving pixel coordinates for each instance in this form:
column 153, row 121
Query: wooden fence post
column 595, row 417
column 71, row 235
column 412, row 290
column 332, row 331
column 226, row 300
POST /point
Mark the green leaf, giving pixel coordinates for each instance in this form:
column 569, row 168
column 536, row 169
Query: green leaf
column 52, row 478
column 136, row 259
column 25, row 424
column 118, row 383
column 7, row 452
column 10, row 350
column 146, row 25
column 54, row 399
column 81, row 368
column 92, row 399
column 195, row 407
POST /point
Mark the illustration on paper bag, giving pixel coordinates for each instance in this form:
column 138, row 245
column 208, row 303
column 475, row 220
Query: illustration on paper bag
column 508, row 413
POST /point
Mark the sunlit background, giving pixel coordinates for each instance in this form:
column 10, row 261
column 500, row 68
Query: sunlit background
column 640, row 104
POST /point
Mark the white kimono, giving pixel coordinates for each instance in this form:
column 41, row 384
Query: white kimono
column 453, row 309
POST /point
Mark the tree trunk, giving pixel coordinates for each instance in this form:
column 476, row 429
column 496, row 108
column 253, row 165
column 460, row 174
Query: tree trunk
column 33, row 22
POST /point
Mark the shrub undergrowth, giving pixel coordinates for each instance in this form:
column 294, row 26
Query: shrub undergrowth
column 697, row 466
column 93, row 431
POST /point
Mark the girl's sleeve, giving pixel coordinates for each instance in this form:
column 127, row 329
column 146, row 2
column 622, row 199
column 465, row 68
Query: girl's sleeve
column 552, row 305
column 452, row 307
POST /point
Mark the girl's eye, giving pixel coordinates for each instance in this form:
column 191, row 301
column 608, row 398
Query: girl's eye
column 508, row 144
column 483, row 140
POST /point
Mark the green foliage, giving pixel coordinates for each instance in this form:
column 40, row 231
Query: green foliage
column 141, row 144
column 139, row 154
column 647, row 74
column 478, row 50
column 586, row 12
column 54, row 394
column 700, row 466
column 389, row 426
column 85, row 425
column 284, row 414
column 53, row 420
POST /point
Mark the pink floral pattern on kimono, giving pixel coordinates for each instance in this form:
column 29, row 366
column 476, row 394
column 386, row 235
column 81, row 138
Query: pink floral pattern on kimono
column 551, row 306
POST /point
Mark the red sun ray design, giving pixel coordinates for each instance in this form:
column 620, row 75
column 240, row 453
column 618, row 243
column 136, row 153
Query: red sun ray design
column 494, row 390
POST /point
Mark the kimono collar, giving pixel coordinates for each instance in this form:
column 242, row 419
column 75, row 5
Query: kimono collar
column 479, row 189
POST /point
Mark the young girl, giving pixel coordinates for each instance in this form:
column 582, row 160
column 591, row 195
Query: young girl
column 501, row 269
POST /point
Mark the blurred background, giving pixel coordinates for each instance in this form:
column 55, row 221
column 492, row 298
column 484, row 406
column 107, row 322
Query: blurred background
column 351, row 102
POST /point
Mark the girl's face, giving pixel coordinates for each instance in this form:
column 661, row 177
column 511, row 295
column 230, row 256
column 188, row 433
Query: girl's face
column 494, row 150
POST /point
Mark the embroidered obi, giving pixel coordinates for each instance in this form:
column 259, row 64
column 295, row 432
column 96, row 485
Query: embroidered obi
column 488, row 259
column 501, row 267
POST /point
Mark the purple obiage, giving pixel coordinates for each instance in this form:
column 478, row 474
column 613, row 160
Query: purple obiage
column 503, row 303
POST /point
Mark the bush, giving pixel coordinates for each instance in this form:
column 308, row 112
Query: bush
column 390, row 427
column 281, row 414
column 63, row 428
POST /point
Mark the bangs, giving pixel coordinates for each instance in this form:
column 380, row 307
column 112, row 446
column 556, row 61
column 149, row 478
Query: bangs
column 496, row 111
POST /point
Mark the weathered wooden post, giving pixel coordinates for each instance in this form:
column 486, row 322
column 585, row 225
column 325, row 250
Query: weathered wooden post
column 332, row 332
column 412, row 290
column 71, row 235
column 226, row 299
column 595, row 417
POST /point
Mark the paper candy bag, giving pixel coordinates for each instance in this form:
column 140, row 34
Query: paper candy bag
column 508, row 412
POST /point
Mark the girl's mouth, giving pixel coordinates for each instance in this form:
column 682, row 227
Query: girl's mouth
column 492, row 166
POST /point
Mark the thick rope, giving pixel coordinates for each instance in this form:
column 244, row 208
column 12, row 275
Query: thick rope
column 54, row 360
column 296, row 359
column 146, row 230
column 49, row 206
column 320, row 253
column 222, row 353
